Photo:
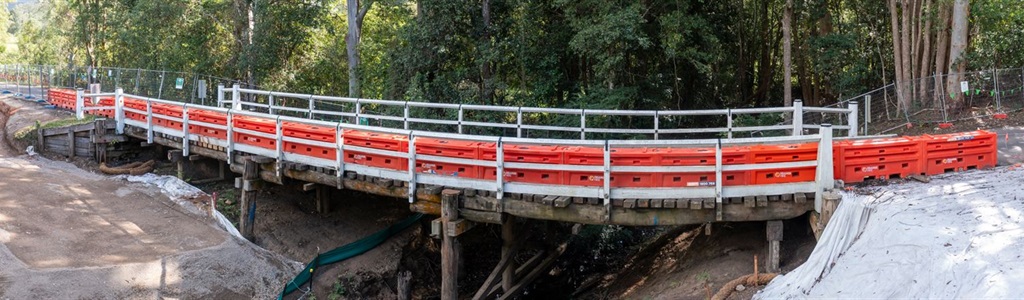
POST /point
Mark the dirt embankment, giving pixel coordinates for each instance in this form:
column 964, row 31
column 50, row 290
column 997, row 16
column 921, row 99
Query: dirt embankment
column 67, row 233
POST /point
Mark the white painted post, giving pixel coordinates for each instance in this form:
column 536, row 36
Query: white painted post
column 583, row 124
column 656, row 124
column 519, row 122
column 412, row 168
column 405, row 116
column 220, row 95
column 149, row 122
column 867, row 113
column 184, row 130
column 236, row 97
column 279, row 135
column 119, row 109
column 607, row 174
column 823, row 175
column 270, row 103
column 728, row 121
column 719, row 206
column 460, row 118
column 312, row 107
column 853, row 119
column 231, row 136
column 500, row 174
column 798, row 117
column 79, row 104
column 339, row 155
column 359, row 109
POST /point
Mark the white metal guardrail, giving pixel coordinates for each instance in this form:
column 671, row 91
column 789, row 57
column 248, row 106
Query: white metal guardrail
column 823, row 164
column 274, row 105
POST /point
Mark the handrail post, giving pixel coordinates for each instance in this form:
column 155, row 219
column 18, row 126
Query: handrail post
column 798, row 117
column 359, row 109
column 519, row 122
column 460, row 118
column 405, row 116
column 236, row 97
column 823, row 175
column 220, row 95
column 119, row 110
column 184, row 130
column 656, row 125
column 231, row 136
column 583, row 124
column 500, row 174
column 728, row 121
column 412, row 168
column 79, row 104
column 607, row 178
column 149, row 122
column 312, row 106
column 853, row 118
column 719, row 206
column 279, row 136
column 339, row 155
column 270, row 103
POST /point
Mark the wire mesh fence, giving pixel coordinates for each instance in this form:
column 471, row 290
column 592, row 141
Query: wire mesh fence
column 188, row 87
column 940, row 99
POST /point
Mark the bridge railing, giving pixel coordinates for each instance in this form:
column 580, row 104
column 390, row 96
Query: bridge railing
column 354, row 110
column 223, row 127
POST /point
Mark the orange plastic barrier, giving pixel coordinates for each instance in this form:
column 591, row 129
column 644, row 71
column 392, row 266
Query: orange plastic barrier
column 206, row 116
column 312, row 133
column 703, row 157
column 783, row 153
column 958, row 151
column 380, row 141
column 527, row 154
column 887, row 158
column 618, row 157
column 448, row 148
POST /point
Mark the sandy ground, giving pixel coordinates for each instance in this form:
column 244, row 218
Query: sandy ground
column 68, row 233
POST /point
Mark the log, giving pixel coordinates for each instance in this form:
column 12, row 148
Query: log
column 450, row 248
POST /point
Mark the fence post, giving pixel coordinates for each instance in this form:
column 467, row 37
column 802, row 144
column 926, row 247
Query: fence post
column 460, row 118
column 412, row 168
column 798, row 117
column 119, row 109
column 160, row 91
column 867, row 113
column 149, row 123
column 995, row 87
column 823, row 175
column 79, row 104
column 270, row 103
column 184, row 130
column 519, row 122
column 853, row 119
column 607, row 179
column 312, row 106
column 656, row 125
column 719, row 206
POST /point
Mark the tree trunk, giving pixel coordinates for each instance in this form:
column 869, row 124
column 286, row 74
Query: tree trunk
column 486, row 92
column 957, row 44
column 355, row 14
column 897, row 55
column 925, row 51
column 941, row 48
column 907, row 58
column 787, row 54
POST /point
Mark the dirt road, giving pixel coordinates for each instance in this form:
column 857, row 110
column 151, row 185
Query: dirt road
column 66, row 233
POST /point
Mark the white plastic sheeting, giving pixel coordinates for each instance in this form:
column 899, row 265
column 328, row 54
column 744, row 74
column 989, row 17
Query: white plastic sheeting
column 959, row 236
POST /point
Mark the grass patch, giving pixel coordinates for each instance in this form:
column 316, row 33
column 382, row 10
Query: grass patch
column 29, row 133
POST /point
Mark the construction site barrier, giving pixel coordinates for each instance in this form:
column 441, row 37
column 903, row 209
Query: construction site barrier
column 600, row 169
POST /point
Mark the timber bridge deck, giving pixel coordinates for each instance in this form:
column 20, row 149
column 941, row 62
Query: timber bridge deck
column 625, row 182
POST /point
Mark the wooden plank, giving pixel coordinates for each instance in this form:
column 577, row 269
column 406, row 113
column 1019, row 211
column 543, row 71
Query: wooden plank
column 657, row 203
column 562, row 202
column 617, row 202
column 629, row 203
column 480, row 216
column 643, row 203
column 762, row 201
column 749, row 201
column 71, row 144
column 548, row 200
column 670, row 203
column 800, row 198
column 458, row 227
column 709, row 203
column 696, row 204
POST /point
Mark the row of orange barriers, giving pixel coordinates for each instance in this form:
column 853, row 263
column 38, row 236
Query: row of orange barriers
column 854, row 161
column 899, row 157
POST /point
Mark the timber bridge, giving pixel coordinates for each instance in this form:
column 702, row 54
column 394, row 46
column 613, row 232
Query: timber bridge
column 440, row 169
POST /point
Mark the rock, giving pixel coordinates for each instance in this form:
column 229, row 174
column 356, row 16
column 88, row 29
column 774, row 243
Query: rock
column 740, row 288
column 920, row 178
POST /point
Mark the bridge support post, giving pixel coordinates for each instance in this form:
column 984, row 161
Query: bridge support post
column 451, row 251
column 178, row 158
column 508, row 237
column 323, row 205
column 774, row 229
column 250, row 177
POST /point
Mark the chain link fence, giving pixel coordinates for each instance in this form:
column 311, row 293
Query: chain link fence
column 941, row 99
column 190, row 87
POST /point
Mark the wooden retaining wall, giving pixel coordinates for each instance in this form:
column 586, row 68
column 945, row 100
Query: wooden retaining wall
column 93, row 139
